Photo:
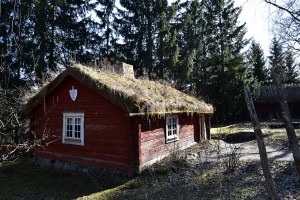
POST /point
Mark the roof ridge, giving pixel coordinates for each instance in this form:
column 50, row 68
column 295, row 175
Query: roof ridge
column 268, row 93
column 133, row 95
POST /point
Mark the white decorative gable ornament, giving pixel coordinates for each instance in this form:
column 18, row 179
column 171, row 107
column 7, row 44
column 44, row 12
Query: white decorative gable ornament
column 73, row 93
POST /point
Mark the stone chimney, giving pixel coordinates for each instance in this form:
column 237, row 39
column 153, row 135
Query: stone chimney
column 125, row 69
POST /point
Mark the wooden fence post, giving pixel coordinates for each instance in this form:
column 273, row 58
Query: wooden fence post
column 292, row 137
column 261, row 145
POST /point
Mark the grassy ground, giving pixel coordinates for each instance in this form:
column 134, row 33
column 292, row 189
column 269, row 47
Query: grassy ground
column 21, row 180
column 276, row 137
column 183, row 176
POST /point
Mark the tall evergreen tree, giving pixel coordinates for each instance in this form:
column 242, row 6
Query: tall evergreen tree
column 166, row 51
column 292, row 74
column 196, row 43
column 107, row 39
column 210, row 53
column 148, row 40
column 41, row 35
column 135, row 24
column 61, row 34
column 37, row 36
column 74, row 31
column 225, row 41
column 16, row 42
column 190, row 42
column 277, row 57
column 258, row 71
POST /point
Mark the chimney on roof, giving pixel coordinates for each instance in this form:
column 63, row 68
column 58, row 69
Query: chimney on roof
column 125, row 69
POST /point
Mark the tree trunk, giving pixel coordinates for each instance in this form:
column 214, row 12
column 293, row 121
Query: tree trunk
column 292, row 137
column 52, row 44
column 261, row 145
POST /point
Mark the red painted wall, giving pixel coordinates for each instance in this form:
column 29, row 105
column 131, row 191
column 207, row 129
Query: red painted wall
column 112, row 139
column 153, row 141
column 106, row 128
column 269, row 111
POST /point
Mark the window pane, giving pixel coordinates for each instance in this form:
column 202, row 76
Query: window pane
column 69, row 133
column 69, row 127
column 169, row 121
column 169, row 132
column 174, row 132
column 73, row 132
column 73, row 127
column 69, row 120
column 77, row 121
column 172, row 127
column 77, row 131
column 76, row 128
column 174, row 121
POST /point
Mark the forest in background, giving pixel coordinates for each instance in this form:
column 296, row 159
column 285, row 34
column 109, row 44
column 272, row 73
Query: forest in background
column 197, row 46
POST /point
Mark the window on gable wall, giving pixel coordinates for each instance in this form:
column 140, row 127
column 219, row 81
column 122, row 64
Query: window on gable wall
column 172, row 128
column 73, row 128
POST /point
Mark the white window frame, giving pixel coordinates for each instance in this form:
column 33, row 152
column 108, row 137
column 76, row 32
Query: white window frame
column 172, row 129
column 73, row 139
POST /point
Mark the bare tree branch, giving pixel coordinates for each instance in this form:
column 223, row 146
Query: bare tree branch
column 292, row 13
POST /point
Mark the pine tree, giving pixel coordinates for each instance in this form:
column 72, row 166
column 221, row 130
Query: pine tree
column 277, row 57
column 15, row 44
column 224, row 41
column 166, row 50
column 211, row 62
column 190, row 42
column 135, row 25
column 61, row 34
column 258, row 71
column 75, row 32
column 41, row 35
column 38, row 36
column 291, row 74
column 148, row 36
column 108, row 35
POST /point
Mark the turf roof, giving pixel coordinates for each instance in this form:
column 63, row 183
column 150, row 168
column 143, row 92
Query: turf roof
column 136, row 96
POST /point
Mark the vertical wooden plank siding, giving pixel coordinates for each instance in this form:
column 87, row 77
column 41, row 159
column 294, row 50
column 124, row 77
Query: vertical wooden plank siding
column 197, row 127
column 136, row 139
column 106, row 128
column 208, row 126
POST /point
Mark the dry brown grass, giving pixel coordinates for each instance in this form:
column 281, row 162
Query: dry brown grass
column 275, row 137
column 135, row 95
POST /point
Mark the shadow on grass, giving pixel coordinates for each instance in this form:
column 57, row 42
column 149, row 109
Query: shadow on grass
column 286, row 181
column 21, row 180
column 169, row 180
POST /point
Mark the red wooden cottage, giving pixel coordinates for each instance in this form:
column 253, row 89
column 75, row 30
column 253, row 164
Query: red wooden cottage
column 267, row 104
column 107, row 120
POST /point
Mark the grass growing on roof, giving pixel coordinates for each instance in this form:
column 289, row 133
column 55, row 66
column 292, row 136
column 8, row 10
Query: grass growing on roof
column 134, row 95
column 148, row 96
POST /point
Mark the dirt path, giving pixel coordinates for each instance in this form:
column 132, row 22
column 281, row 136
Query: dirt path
column 249, row 151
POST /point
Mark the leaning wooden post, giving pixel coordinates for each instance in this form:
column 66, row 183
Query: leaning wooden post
column 292, row 137
column 261, row 145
